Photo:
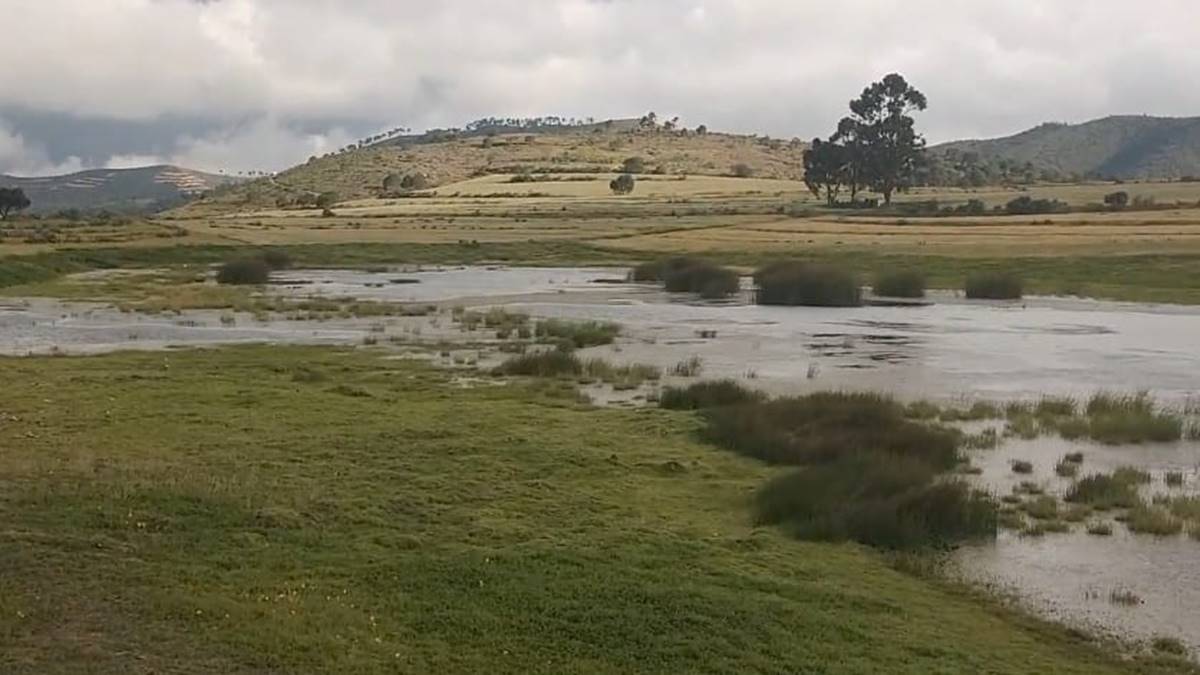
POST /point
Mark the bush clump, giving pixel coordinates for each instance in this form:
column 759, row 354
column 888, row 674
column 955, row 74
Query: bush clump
column 276, row 259
column 709, row 394
column 686, row 274
column 899, row 284
column 1118, row 419
column 878, row 500
column 1103, row 492
column 994, row 286
column 794, row 282
column 824, row 426
column 252, row 271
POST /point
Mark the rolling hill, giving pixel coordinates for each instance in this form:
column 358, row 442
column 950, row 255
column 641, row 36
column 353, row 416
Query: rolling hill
column 140, row 190
column 444, row 157
column 1126, row 147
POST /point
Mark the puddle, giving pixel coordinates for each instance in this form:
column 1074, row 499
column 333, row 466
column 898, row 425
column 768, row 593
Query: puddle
column 950, row 350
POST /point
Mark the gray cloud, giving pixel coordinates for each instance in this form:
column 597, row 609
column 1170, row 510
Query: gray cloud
column 261, row 84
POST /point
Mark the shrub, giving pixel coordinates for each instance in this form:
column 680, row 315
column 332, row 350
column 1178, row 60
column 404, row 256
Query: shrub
column 824, row 426
column 1116, row 200
column 244, row 272
column 994, row 286
column 1025, row 206
column 622, row 185
column 741, row 170
column 1022, row 466
column 578, row 334
column 899, row 284
column 709, row 394
column 889, row 502
column 799, row 283
column 414, row 181
column 542, row 364
column 689, row 367
column 633, row 165
column 276, row 258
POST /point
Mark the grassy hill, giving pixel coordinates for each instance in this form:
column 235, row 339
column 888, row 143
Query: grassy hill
column 141, row 190
column 447, row 157
column 1126, row 147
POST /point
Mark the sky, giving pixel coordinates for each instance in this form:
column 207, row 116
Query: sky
column 238, row 85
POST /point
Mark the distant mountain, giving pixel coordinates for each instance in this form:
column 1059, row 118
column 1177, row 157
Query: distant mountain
column 141, row 190
column 1125, row 147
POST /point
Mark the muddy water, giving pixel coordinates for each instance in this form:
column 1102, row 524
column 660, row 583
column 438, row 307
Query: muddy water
column 952, row 349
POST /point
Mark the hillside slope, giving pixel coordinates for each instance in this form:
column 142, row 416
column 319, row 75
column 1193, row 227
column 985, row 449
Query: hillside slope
column 1127, row 147
column 140, row 190
column 443, row 158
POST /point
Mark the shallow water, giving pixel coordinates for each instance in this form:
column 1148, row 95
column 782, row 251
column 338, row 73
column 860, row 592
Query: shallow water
column 950, row 350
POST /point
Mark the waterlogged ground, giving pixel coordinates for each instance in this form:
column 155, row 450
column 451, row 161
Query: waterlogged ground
column 950, row 350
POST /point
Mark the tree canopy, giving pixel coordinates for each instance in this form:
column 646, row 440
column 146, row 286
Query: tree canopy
column 12, row 199
column 876, row 146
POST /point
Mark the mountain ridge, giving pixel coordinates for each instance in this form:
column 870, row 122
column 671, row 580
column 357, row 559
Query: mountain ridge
column 142, row 189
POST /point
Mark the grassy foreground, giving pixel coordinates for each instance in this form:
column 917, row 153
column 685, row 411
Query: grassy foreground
column 307, row 510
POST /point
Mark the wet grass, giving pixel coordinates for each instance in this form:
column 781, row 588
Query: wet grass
column 899, row 284
column 1021, row 466
column 1043, row 507
column 248, row 272
column 709, row 394
column 793, row 282
column 200, row 511
column 1119, row 419
column 992, row 285
column 1100, row 529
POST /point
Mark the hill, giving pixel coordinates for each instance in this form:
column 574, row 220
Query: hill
column 1125, row 147
column 140, row 190
column 445, row 157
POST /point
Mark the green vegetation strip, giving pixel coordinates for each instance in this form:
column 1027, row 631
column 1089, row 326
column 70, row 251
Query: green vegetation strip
column 306, row 510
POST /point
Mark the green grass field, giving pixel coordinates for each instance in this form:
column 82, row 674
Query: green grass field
column 305, row 510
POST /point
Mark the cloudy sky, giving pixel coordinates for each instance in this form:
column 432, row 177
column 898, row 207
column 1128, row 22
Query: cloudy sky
column 262, row 84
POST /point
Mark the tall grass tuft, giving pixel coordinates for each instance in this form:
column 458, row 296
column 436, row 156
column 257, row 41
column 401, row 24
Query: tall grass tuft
column 552, row 363
column 899, row 284
column 578, row 334
column 686, row 274
column 1103, row 492
column 709, row 394
column 795, row 282
column 1118, row 419
column 994, row 286
column 879, row 500
column 824, row 426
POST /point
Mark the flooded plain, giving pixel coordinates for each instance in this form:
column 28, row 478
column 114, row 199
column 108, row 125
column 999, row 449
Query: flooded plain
column 950, row 350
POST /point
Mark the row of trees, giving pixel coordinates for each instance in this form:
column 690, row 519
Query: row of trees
column 12, row 199
column 876, row 147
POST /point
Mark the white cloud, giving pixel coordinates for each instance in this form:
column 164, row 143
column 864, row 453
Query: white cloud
column 774, row 66
column 19, row 158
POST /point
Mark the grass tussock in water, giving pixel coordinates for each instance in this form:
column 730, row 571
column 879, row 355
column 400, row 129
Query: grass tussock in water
column 1118, row 419
column 578, row 334
column 794, row 282
column 824, row 426
column 871, row 473
column 994, row 286
column 687, row 274
column 551, row 363
column 1146, row 519
column 1104, row 492
column 899, row 284
column 709, row 394
column 248, row 272
column 879, row 500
